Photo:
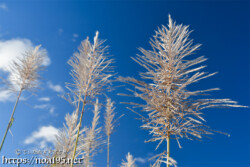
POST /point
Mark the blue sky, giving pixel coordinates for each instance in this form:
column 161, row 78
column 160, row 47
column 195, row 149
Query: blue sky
column 222, row 27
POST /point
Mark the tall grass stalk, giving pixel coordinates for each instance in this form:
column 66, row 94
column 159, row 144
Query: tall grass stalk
column 91, row 72
column 66, row 138
column 89, row 139
column 24, row 76
column 109, row 124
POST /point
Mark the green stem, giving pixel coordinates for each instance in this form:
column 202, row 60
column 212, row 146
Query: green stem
column 74, row 154
column 11, row 119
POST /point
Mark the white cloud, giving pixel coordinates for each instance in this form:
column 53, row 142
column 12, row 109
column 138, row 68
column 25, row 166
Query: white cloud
column 44, row 99
column 6, row 95
column 141, row 160
column 10, row 96
column 42, row 106
column 52, row 110
column 42, row 137
column 3, row 6
column 146, row 159
column 56, row 88
column 47, row 107
column 60, row 31
column 75, row 35
column 11, row 50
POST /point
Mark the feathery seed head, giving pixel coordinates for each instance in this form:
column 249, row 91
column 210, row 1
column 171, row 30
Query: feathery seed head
column 109, row 117
column 25, row 70
column 67, row 136
column 91, row 68
column 130, row 161
column 172, row 109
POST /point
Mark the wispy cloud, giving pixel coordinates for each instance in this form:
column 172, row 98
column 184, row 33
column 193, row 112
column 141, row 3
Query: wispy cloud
column 3, row 6
column 42, row 106
column 43, row 136
column 48, row 107
column 46, row 99
column 144, row 160
column 56, row 88
column 141, row 160
column 52, row 110
column 60, row 31
column 11, row 50
column 75, row 36
column 6, row 95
